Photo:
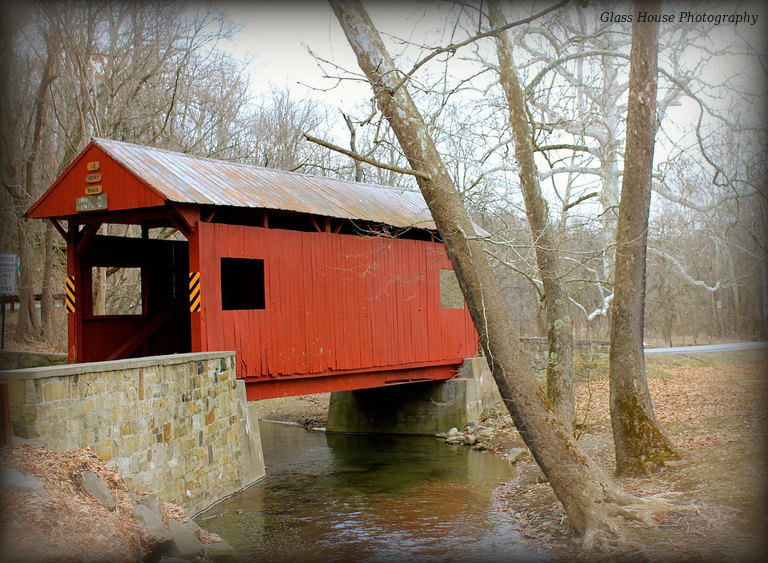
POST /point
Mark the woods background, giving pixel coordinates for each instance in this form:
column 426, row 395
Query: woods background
column 165, row 74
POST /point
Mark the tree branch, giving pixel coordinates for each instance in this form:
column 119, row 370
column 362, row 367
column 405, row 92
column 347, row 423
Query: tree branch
column 599, row 312
column 533, row 281
column 367, row 160
column 565, row 146
column 682, row 272
column 578, row 201
column 453, row 47
column 681, row 200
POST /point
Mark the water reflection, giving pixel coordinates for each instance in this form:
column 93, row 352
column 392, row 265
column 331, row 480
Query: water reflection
column 340, row 498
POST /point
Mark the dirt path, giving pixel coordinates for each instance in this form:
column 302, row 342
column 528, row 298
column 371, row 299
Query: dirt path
column 310, row 411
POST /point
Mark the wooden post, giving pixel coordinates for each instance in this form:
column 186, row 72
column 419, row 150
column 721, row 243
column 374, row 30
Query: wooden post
column 197, row 318
column 6, row 430
column 2, row 338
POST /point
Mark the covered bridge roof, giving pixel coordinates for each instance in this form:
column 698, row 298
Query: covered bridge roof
column 182, row 178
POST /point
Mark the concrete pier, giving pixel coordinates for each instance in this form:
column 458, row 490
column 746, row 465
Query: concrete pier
column 416, row 408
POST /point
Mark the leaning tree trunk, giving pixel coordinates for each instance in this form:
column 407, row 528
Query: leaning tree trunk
column 559, row 325
column 589, row 496
column 641, row 444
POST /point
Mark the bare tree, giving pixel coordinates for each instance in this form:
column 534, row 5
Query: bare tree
column 353, row 147
column 588, row 495
column 138, row 72
column 277, row 130
column 25, row 76
column 559, row 325
column 641, row 444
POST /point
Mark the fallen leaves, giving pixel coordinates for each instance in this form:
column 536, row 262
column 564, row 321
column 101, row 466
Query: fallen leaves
column 716, row 417
column 68, row 523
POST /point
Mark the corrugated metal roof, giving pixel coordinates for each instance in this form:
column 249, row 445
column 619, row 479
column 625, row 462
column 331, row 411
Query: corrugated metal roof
column 184, row 178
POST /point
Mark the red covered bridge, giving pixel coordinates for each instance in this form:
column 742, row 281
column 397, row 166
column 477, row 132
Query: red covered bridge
column 317, row 284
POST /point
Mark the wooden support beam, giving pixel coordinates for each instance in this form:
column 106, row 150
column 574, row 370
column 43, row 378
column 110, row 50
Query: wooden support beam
column 180, row 225
column 141, row 337
column 269, row 388
column 186, row 217
column 62, row 231
column 86, row 236
column 210, row 215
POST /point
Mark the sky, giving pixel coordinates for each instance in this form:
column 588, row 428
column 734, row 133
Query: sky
column 275, row 32
column 279, row 33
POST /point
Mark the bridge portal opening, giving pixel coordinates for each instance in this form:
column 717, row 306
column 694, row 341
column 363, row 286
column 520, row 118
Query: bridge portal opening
column 133, row 297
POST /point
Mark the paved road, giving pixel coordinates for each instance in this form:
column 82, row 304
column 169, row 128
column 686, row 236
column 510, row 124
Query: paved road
column 707, row 348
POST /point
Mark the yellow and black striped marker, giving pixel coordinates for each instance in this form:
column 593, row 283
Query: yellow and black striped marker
column 69, row 294
column 194, row 292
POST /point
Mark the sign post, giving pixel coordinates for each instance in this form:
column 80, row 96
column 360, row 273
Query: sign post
column 720, row 314
column 9, row 264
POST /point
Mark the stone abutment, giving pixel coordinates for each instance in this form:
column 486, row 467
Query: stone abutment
column 177, row 426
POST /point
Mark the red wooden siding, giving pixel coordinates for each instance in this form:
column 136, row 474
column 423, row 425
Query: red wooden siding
column 334, row 303
column 340, row 311
column 124, row 190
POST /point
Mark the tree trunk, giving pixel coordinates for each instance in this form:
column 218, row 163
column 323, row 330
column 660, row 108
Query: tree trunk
column 641, row 444
column 28, row 325
column 353, row 147
column 589, row 496
column 559, row 325
column 99, row 279
column 47, row 312
column 29, row 320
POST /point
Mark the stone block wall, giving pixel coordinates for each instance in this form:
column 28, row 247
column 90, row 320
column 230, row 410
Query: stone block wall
column 586, row 353
column 177, row 426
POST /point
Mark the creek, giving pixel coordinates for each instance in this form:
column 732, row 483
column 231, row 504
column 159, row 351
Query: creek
column 341, row 497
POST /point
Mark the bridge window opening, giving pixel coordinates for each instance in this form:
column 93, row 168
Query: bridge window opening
column 116, row 291
column 450, row 292
column 242, row 284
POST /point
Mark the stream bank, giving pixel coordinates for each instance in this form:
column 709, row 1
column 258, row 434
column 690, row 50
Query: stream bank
column 341, row 498
column 70, row 506
column 712, row 406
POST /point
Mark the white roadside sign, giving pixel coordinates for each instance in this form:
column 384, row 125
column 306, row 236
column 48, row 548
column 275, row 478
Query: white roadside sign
column 8, row 267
